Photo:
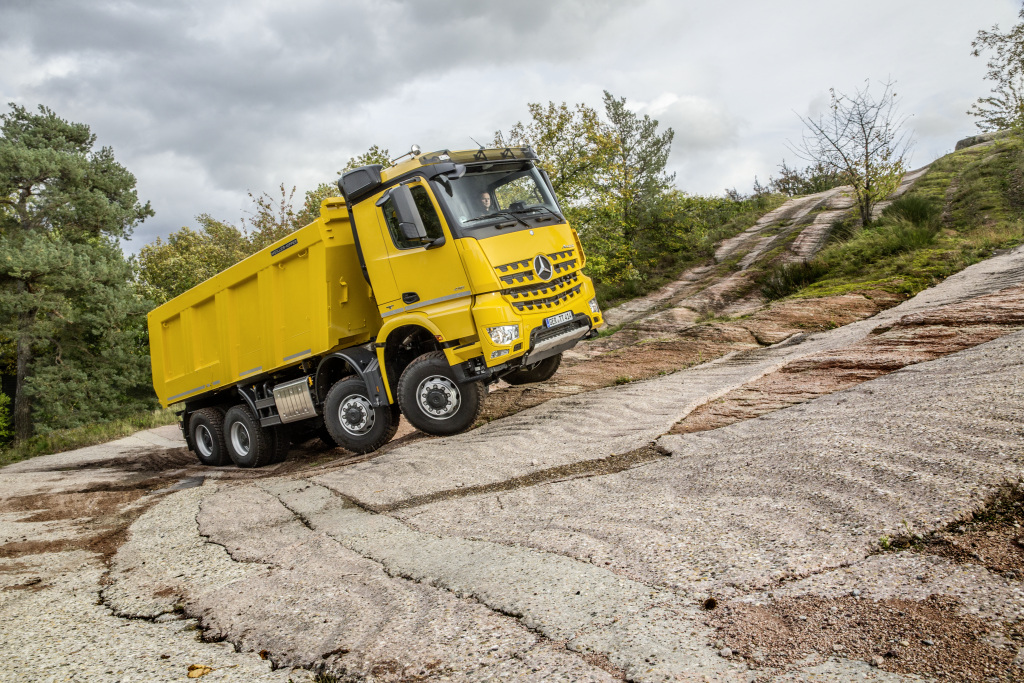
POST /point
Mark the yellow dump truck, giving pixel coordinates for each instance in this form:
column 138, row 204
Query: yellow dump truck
column 424, row 282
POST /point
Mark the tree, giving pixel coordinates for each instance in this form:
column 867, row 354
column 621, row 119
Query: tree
column 817, row 177
column 1004, row 108
column 863, row 138
column 635, row 175
column 573, row 145
column 63, row 206
column 374, row 155
column 310, row 210
column 188, row 257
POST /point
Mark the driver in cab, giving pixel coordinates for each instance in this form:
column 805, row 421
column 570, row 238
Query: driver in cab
column 485, row 203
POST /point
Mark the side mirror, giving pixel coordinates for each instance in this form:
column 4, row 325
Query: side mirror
column 409, row 220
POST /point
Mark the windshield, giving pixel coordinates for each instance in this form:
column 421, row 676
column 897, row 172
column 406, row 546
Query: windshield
column 489, row 193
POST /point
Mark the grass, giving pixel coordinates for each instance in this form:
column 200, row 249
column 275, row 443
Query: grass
column 968, row 205
column 88, row 435
column 671, row 264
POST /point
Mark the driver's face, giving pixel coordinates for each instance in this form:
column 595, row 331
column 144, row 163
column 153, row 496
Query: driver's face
column 485, row 199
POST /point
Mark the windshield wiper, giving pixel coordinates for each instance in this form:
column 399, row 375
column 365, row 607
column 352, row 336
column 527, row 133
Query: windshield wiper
column 495, row 215
column 539, row 207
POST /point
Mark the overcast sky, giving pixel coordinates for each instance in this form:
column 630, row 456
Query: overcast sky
column 204, row 101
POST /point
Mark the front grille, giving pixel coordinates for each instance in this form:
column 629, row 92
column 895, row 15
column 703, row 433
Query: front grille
column 546, row 288
column 548, row 302
column 522, row 271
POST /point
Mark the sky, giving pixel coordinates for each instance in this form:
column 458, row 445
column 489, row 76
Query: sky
column 206, row 101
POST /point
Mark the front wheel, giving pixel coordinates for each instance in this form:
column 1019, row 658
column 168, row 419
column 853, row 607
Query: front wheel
column 541, row 371
column 433, row 401
column 353, row 422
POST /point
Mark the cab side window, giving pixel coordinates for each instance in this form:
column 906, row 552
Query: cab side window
column 430, row 219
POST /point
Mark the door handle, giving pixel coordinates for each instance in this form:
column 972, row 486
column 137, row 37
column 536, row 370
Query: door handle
column 410, row 297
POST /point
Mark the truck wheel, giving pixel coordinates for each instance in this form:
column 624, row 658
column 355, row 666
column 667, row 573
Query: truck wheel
column 433, row 401
column 206, row 428
column 353, row 423
column 248, row 444
column 540, row 371
column 282, row 444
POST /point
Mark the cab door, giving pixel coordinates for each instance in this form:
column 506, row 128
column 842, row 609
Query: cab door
column 424, row 276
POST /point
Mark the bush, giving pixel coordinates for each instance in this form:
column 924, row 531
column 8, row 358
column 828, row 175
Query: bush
column 783, row 279
column 915, row 208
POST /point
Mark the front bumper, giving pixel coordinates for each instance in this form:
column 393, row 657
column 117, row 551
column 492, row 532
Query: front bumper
column 548, row 342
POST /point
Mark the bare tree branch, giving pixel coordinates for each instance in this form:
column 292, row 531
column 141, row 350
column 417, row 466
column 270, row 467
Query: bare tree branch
column 864, row 139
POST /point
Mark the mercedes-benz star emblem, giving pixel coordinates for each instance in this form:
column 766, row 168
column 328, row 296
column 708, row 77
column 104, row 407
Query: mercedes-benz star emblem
column 542, row 266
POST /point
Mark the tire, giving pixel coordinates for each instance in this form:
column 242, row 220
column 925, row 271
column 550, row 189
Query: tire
column 282, row 445
column 352, row 422
column 541, row 371
column 206, row 429
column 433, row 401
column 326, row 439
column 248, row 444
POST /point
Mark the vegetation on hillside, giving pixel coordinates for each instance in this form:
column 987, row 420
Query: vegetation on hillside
column 968, row 205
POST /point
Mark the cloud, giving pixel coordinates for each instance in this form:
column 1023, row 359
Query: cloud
column 204, row 101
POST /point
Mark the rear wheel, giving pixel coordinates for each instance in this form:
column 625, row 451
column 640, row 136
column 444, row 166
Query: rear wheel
column 249, row 444
column 541, row 371
column 352, row 420
column 206, row 428
column 433, row 401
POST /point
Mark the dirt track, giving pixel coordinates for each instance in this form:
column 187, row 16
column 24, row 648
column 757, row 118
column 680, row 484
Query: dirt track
column 578, row 539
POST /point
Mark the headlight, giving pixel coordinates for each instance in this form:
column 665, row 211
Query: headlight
column 593, row 305
column 506, row 334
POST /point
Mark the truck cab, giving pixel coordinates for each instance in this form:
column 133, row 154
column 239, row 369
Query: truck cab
column 473, row 248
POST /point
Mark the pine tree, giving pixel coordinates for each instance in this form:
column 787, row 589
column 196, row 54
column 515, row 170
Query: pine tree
column 66, row 299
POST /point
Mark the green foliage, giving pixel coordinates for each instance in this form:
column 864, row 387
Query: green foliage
column 310, row 210
column 188, row 257
column 67, row 308
column 609, row 175
column 1004, row 108
column 60, row 440
column 862, row 138
column 374, row 155
column 682, row 231
column 635, row 176
column 969, row 203
column 573, row 145
column 6, row 428
column 817, row 177
column 783, row 279
column 87, row 331
column 915, row 208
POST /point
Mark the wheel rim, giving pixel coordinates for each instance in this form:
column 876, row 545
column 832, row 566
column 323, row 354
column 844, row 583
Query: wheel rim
column 356, row 415
column 438, row 397
column 204, row 441
column 240, row 439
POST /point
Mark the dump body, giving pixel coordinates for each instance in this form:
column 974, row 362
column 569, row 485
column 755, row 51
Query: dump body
column 300, row 297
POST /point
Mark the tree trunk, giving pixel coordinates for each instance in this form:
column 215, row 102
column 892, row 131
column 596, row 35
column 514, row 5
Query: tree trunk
column 22, row 406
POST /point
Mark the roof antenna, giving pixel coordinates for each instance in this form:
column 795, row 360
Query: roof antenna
column 477, row 143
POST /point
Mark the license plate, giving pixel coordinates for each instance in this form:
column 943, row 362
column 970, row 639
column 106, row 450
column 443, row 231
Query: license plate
column 558, row 319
